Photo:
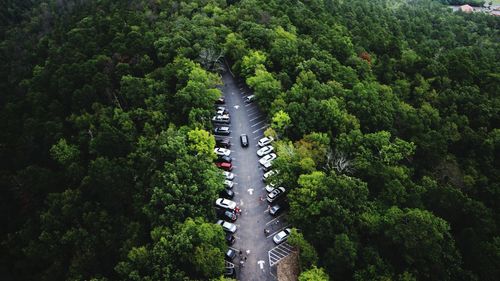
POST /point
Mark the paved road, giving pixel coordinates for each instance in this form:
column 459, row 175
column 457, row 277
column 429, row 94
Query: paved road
column 249, row 187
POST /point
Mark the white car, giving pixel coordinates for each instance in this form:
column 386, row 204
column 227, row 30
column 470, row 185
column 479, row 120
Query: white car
column 275, row 194
column 228, row 175
column 270, row 187
column 267, row 166
column 265, row 141
column 228, row 184
column 250, row 98
column 227, row 226
column 225, row 204
column 265, row 150
column 222, row 151
column 267, row 158
column 269, row 174
column 222, row 119
column 281, row 236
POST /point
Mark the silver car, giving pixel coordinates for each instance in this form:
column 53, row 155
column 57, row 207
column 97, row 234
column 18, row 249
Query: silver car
column 275, row 194
column 227, row 226
column 282, row 236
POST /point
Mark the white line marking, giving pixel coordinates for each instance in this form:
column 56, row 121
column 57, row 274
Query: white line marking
column 261, row 264
column 263, row 127
column 250, row 190
column 256, row 124
column 274, row 219
column 255, row 118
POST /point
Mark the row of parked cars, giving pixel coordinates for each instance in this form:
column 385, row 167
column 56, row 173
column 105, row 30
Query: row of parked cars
column 225, row 209
column 275, row 194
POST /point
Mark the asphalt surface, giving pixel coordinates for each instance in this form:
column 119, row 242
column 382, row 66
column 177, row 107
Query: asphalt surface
column 249, row 190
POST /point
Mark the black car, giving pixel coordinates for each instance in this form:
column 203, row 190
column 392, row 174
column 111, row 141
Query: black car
column 230, row 272
column 224, row 159
column 244, row 140
column 222, row 131
column 230, row 254
column 226, row 215
column 230, row 239
column 220, row 101
column 223, row 142
column 277, row 209
column 227, row 193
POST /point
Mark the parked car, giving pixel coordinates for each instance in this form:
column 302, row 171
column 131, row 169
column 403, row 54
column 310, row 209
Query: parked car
column 270, row 174
column 226, row 193
column 250, row 98
column 223, row 142
column 226, row 214
column 220, row 101
column 224, row 165
column 267, row 158
column 282, row 236
column 222, row 151
column 228, row 175
column 230, row 254
column 221, row 110
column 265, row 141
column 275, row 194
column 244, row 140
column 230, row 239
column 228, row 184
column 223, row 131
column 227, row 226
column 230, row 272
column 270, row 187
column 265, row 150
column 221, row 119
column 224, row 159
column 225, row 204
column 278, row 208
column 267, row 166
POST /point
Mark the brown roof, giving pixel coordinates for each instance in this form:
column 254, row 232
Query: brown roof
column 466, row 9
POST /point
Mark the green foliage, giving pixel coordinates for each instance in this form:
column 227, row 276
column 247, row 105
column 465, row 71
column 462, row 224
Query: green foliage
column 314, row 274
column 386, row 113
column 265, row 86
column 251, row 62
column 307, row 254
column 280, row 122
column 64, row 153
column 201, row 143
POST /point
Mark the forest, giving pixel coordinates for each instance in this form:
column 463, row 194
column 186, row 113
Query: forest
column 386, row 112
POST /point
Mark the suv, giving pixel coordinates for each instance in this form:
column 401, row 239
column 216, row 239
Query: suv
column 223, row 142
column 244, row 140
column 222, row 131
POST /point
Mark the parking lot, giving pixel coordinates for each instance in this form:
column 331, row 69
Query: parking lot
column 251, row 238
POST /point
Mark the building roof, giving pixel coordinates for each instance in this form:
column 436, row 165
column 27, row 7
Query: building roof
column 466, row 9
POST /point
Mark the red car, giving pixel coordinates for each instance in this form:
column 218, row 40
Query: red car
column 224, row 165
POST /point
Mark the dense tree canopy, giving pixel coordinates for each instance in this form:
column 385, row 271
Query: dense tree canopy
column 386, row 112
